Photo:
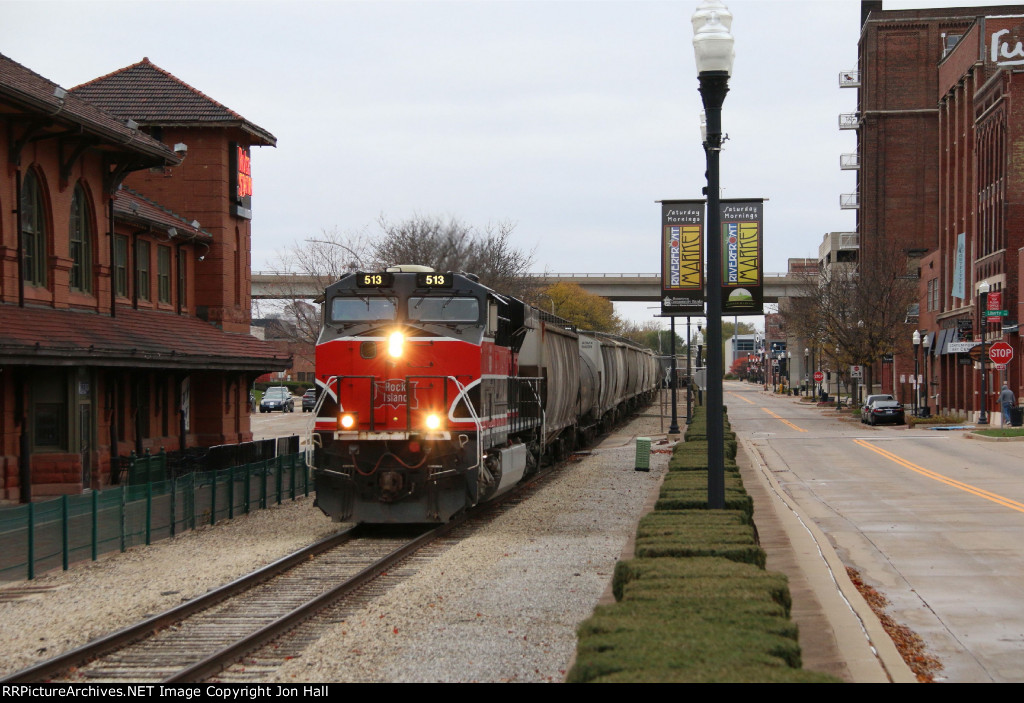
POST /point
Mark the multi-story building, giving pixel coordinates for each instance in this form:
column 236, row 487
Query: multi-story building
column 124, row 309
column 936, row 138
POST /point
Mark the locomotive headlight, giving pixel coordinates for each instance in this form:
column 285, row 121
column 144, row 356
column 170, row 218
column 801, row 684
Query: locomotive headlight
column 433, row 421
column 395, row 343
column 346, row 421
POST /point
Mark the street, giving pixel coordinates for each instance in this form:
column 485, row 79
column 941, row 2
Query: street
column 278, row 424
column 932, row 520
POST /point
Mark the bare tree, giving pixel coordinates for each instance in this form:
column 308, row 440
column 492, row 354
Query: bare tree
column 443, row 244
column 452, row 245
column 856, row 314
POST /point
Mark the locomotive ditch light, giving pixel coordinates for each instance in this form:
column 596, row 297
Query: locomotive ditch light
column 396, row 342
column 347, row 421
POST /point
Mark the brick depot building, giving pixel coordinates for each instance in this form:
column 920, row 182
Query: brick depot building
column 125, row 210
column 941, row 180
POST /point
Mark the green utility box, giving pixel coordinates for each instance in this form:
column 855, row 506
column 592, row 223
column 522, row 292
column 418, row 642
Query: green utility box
column 643, row 454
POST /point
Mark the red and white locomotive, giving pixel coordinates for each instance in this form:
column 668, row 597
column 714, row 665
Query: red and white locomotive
column 437, row 393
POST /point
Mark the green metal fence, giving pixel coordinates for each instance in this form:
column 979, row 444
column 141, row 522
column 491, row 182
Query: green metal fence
column 38, row 537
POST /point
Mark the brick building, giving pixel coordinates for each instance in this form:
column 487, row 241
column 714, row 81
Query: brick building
column 124, row 298
column 981, row 207
column 935, row 136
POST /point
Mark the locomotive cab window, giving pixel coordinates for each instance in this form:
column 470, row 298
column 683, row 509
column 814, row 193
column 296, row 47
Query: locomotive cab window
column 362, row 309
column 444, row 309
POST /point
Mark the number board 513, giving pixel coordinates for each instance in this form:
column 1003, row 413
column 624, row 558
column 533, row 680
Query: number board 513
column 433, row 280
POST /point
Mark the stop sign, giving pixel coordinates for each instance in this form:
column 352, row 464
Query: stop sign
column 819, row 377
column 1000, row 353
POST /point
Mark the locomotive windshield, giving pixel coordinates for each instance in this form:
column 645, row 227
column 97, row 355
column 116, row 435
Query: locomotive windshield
column 363, row 309
column 444, row 309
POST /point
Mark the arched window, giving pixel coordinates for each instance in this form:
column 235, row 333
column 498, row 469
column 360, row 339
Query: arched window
column 81, row 241
column 33, row 230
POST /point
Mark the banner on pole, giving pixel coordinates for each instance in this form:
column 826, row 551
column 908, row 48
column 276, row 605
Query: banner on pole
column 682, row 257
column 742, row 256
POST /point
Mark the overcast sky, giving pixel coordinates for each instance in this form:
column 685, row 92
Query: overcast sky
column 569, row 119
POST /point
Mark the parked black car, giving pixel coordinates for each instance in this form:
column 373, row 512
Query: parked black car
column 309, row 400
column 885, row 411
column 277, row 398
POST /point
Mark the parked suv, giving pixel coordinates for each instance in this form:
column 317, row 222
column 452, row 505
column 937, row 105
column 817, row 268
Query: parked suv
column 309, row 400
column 277, row 398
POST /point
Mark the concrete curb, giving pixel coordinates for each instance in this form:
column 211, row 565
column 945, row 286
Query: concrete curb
column 864, row 647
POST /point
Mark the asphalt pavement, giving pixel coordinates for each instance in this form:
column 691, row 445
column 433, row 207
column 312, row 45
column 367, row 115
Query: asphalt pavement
column 931, row 519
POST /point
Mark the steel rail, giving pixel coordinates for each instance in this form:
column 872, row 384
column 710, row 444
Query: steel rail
column 141, row 630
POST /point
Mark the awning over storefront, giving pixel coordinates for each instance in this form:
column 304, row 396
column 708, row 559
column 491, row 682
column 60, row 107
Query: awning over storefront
column 135, row 338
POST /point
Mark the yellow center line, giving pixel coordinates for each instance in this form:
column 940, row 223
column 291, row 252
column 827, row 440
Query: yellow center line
column 745, row 400
column 981, row 493
column 784, row 421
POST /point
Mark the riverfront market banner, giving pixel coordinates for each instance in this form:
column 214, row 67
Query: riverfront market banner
column 682, row 257
column 742, row 256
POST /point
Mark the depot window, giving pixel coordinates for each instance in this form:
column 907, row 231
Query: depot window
column 444, row 309
column 363, row 309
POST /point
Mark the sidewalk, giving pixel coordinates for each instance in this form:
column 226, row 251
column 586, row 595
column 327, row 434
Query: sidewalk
column 839, row 633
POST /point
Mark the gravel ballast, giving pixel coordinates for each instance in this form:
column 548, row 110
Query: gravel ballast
column 501, row 605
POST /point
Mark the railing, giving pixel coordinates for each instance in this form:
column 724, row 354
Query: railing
column 44, row 535
column 849, row 201
column 849, row 162
column 849, row 120
column 849, row 79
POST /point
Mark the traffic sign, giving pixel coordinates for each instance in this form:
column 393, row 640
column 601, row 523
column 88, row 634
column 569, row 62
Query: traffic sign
column 819, row 377
column 1000, row 353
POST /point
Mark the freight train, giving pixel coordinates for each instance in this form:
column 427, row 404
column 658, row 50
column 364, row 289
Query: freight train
column 438, row 393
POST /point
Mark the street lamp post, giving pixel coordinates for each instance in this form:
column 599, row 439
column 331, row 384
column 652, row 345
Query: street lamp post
column 689, row 375
column 926, row 346
column 673, row 428
column 807, row 372
column 713, row 51
column 789, row 372
column 983, row 289
column 839, row 404
column 916, row 384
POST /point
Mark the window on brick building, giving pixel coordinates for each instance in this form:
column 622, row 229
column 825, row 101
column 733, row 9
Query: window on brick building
column 121, row 265
column 182, row 278
column 49, row 411
column 33, row 230
column 142, row 269
column 163, row 274
column 81, row 241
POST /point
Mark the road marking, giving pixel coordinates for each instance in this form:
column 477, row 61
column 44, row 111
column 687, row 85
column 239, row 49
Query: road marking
column 745, row 400
column 981, row 493
column 784, row 421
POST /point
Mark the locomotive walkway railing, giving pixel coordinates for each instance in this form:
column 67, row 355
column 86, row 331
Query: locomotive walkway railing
column 41, row 536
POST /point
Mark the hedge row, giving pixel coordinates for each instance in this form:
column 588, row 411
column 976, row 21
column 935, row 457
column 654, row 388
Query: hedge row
column 695, row 604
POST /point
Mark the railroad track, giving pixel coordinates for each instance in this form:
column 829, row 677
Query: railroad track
column 205, row 635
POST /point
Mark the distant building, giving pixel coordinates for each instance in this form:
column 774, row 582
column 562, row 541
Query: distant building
column 124, row 303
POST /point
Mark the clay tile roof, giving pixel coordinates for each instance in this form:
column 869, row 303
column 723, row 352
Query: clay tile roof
column 130, row 206
column 138, row 338
column 28, row 90
column 150, row 95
